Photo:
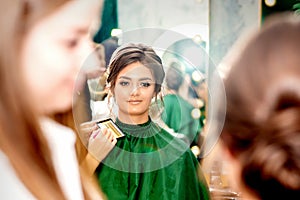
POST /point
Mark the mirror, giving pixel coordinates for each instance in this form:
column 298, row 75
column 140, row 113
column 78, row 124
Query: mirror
column 191, row 55
column 186, row 32
column 182, row 35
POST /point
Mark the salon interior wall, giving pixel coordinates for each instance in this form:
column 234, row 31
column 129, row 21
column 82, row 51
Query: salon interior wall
column 218, row 22
column 187, row 17
column 228, row 20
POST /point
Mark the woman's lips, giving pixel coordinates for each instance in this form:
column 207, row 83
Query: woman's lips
column 134, row 102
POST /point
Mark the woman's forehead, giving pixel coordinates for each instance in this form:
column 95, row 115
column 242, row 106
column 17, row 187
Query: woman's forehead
column 136, row 71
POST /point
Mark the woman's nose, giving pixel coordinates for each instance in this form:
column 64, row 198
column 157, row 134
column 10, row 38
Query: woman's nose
column 135, row 90
column 87, row 55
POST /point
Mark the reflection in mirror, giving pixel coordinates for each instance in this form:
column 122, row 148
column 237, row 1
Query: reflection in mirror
column 183, row 109
column 185, row 92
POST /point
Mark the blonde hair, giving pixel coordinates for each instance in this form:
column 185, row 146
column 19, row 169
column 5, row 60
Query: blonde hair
column 20, row 136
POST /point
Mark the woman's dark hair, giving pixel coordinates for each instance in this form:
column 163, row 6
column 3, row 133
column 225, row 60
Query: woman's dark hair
column 131, row 53
column 174, row 77
column 262, row 121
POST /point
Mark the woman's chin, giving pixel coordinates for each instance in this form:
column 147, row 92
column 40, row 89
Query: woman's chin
column 61, row 107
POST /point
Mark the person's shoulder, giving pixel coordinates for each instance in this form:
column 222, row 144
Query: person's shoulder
column 178, row 136
column 11, row 186
column 175, row 137
column 180, row 145
column 171, row 99
column 170, row 96
column 50, row 124
column 55, row 131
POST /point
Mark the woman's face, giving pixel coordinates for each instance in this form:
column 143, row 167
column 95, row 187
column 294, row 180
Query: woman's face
column 53, row 52
column 133, row 92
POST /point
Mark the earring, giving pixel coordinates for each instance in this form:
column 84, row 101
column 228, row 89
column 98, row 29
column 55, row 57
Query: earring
column 111, row 106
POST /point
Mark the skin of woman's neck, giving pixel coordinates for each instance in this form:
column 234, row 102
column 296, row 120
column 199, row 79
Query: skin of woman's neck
column 132, row 119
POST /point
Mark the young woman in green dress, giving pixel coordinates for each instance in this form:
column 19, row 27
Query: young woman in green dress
column 148, row 162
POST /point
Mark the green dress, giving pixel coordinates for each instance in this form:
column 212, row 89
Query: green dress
column 177, row 115
column 149, row 163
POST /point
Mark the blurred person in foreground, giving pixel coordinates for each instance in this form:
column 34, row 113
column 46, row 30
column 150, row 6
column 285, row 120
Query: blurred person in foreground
column 43, row 46
column 261, row 134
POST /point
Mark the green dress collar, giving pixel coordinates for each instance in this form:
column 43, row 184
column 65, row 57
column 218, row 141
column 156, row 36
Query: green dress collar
column 144, row 130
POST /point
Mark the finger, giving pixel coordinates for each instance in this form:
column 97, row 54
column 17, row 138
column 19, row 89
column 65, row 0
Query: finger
column 95, row 134
column 87, row 124
column 94, row 128
column 104, row 131
column 110, row 135
column 88, row 130
column 114, row 142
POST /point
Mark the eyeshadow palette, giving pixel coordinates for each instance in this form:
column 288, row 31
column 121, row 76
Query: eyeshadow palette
column 109, row 124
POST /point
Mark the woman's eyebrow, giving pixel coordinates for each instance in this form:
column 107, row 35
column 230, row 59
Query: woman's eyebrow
column 145, row 79
column 124, row 77
column 140, row 79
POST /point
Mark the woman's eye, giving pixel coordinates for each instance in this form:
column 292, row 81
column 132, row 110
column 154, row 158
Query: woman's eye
column 72, row 43
column 124, row 83
column 145, row 84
